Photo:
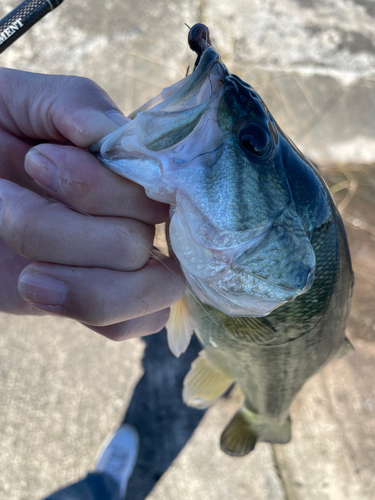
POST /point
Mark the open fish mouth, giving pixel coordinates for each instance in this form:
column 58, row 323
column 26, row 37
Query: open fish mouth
column 204, row 146
column 247, row 275
column 171, row 131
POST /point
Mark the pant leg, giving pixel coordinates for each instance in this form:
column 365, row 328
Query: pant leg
column 95, row 486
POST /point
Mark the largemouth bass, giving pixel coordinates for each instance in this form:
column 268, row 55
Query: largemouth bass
column 258, row 237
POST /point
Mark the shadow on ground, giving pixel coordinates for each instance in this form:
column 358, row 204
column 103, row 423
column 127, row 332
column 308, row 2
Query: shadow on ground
column 157, row 411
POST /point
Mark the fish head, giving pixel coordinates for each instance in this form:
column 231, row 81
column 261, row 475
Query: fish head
column 211, row 149
column 234, row 227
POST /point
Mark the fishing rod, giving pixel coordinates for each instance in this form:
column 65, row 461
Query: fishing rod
column 17, row 22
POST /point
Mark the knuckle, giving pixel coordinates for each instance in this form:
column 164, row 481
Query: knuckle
column 135, row 248
column 96, row 309
column 138, row 327
column 173, row 279
column 98, row 314
column 80, row 188
column 25, row 223
column 86, row 90
column 71, row 95
column 159, row 321
column 16, row 230
column 81, row 83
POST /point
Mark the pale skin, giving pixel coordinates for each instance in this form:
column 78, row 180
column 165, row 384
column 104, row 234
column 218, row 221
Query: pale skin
column 93, row 261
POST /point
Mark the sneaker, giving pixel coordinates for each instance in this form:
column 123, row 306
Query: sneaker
column 118, row 455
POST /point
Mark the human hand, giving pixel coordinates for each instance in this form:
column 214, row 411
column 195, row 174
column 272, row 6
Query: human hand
column 90, row 262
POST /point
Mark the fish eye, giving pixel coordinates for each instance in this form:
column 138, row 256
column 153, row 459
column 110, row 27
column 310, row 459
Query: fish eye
column 254, row 139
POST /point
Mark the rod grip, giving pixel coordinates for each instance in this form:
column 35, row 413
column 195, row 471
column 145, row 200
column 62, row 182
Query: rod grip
column 17, row 22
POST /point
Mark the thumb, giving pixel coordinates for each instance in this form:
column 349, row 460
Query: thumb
column 84, row 126
column 54, row 107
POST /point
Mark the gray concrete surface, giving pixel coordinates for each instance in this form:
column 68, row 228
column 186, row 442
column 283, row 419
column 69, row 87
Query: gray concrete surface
column 313, row 62
column 63, row 388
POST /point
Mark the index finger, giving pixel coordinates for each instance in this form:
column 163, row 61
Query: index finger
column 54, row 107
column 76, row 178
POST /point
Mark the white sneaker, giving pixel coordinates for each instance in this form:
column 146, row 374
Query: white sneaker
column 118, row 455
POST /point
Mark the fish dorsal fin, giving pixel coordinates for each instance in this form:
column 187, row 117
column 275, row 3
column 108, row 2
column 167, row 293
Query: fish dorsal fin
column 179, row 328
column 257, row 330
column 246, row 428
column 346, row 348
column 204, row 383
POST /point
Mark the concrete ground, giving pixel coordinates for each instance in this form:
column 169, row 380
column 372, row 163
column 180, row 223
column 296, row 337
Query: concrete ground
column 63, row 388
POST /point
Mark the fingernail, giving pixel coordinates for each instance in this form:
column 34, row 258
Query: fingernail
column 42, row 170
column 42, row 289
column 117, row 118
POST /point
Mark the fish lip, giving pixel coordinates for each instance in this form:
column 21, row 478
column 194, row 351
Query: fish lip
column 210, row 58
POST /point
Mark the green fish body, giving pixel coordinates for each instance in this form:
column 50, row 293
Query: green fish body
column 271, row 357
column 258, row 237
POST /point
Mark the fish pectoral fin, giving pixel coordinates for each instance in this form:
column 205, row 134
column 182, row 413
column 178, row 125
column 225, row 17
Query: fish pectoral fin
column 246, row 428
column 204, row 383
column 346, row 348
column 179, row 329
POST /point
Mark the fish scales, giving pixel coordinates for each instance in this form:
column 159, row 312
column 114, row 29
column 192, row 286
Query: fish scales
column 258, row 237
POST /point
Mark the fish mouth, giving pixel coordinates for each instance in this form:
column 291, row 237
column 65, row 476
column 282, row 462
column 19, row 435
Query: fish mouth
column 170, row 132
column 235, row 273
column 197, row 90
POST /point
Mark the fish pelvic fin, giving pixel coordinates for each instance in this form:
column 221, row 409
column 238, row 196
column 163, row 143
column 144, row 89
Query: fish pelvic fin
column 204, row 383
column 247, row 428
column 179, row 329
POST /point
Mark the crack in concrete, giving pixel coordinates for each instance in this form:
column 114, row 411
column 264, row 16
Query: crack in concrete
column 279, row 474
